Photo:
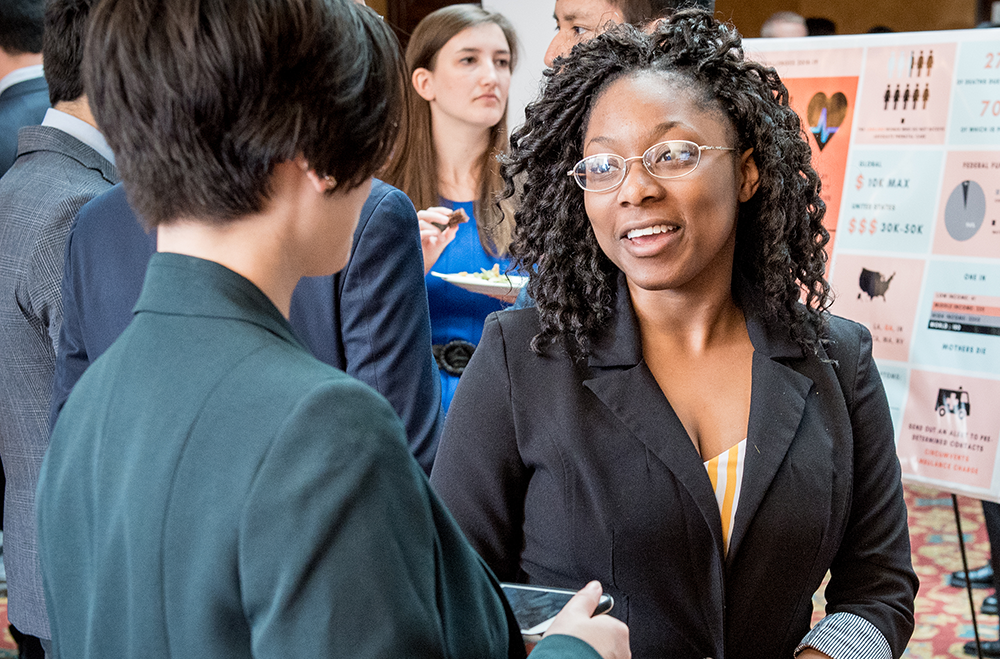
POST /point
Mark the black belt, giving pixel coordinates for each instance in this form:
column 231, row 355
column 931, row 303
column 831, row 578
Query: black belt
column 453, row 356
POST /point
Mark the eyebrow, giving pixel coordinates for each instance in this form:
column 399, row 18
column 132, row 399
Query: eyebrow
column 502, row 51
column 657, row 130
column 569, row 18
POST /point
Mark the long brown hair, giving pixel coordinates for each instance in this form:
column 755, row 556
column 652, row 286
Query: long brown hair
column 413, row 166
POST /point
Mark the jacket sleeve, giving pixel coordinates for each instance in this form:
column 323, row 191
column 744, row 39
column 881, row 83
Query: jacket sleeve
column 385, row 322
column 871, row 575
column 479, row 472
column 71, row 354
column 345, row 551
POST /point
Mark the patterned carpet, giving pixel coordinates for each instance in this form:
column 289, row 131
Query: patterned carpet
column 943, row 621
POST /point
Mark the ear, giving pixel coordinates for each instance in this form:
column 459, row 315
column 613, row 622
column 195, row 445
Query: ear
column 749, row 176
column 423, row 83
column 317, row 182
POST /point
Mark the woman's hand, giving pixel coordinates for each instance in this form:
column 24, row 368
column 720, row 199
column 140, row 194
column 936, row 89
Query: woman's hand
column 607, row 635
column 432, row 239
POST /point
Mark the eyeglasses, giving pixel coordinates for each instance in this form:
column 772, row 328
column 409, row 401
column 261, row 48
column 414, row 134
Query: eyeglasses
column 673, row 159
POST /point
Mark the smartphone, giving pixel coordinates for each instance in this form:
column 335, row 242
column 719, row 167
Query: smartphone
column 536, row 606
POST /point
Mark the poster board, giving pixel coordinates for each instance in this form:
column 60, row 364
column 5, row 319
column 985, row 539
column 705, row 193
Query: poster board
column 905, row 133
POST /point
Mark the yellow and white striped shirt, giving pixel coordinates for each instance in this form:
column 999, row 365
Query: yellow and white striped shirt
column 726, row 473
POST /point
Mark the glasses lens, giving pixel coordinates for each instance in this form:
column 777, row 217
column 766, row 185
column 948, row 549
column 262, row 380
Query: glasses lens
column 672, row 159
column 600, row 172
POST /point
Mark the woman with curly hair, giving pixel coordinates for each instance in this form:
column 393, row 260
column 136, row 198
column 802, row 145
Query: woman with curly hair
column 680, row 416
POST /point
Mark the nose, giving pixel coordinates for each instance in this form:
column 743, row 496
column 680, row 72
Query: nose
column 488, row 74
column 639, row 185
column 557, row 47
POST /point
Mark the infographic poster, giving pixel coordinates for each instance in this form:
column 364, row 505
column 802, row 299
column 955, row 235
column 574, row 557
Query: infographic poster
column 905, row 134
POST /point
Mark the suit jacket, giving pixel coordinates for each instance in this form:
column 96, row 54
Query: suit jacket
column 53, row 176
column 226, row 495
column 560, row 472
column 23, row 104
column 370, row 319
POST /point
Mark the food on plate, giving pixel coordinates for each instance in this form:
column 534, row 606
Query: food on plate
column 493, row 275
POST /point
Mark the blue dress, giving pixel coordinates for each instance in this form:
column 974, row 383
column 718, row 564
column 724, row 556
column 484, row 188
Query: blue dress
column 455, row 312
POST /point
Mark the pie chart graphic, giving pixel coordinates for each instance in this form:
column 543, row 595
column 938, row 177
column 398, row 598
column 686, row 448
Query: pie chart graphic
column 965, row 211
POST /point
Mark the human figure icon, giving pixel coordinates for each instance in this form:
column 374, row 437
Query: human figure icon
column 911, row 63
column 895, row 98
column 927, row 93
column 888, row 95
column 930, row 63
column 906, row 96
column 916, row 95
column 920, row 63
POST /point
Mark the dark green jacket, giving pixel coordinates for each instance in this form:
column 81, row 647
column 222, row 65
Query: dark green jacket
column 212, row 490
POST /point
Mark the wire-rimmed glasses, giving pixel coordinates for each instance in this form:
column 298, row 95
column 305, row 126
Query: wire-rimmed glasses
column 670, row 159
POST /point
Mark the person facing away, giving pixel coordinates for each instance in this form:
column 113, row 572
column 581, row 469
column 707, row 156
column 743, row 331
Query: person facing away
column 24, row 96
column 60, row 165
column 670, row 418
column 212, row 489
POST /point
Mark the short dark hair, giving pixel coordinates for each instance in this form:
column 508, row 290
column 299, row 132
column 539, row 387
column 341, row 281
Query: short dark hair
column 780, row 238
column 200, row 102
column 640, row 12
column 820, row 27
column 21, row 26
column 62, row 47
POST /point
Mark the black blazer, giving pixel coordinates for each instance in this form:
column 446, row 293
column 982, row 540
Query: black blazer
column 561, row 471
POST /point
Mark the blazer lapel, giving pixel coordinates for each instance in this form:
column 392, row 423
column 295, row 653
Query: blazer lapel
column 625, row 385
column 777, row 402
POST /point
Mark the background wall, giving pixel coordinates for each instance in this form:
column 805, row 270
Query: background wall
column 851, row 16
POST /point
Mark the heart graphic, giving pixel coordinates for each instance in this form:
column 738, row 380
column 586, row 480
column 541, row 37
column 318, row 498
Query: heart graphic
column 825, row 116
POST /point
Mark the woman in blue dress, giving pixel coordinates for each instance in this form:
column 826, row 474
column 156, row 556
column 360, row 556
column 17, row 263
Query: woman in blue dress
column 460, row 60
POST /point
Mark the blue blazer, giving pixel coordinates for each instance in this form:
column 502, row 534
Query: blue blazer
column 23, row 104
column 371, row 319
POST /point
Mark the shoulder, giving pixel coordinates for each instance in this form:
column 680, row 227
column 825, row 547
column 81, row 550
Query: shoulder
column 386, row 217
column 331, row 416
column 515, row 328
column 72, row 164
column 108, row 216
column 847, row 339
column 318, row 388
column 385, row 201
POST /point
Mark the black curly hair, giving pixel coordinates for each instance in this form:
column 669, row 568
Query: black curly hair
column 780, row 257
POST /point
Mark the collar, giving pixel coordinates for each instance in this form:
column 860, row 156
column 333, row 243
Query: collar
column 21, row 75
column 188, row 286
column 79, row 129
column 621, row 346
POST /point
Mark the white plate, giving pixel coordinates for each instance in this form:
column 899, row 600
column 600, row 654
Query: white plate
column 506, row 289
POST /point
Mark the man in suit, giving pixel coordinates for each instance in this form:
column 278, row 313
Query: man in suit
column 370, row 319
column 60, row 165
column 24, row 96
